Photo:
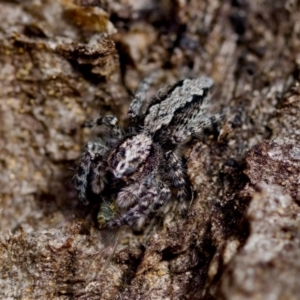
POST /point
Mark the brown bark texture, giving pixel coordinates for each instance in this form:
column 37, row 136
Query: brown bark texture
column 63, row 62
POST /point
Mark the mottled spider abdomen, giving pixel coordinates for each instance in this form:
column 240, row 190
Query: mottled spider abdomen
column 146, row 162
column 186, row 97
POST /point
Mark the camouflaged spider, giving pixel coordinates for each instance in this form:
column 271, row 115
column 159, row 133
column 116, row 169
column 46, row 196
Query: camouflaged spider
column 145, row 160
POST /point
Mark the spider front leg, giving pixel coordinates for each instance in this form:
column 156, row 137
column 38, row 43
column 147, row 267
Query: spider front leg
column 90, row 166
column 209, row 122
column 135, row 110
column 150, row 200
column 110, row 122
column 176, row 174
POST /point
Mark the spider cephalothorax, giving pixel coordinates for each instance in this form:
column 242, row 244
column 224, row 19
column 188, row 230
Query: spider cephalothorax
column 146, row 160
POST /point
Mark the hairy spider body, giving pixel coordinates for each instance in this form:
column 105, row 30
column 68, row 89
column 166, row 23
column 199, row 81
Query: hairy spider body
column 146, row 160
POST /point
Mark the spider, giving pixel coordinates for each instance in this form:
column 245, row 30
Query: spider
column 145, row 158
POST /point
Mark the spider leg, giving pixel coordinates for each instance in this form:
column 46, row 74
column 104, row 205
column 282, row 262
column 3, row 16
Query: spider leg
column 164, row 197
column 134, row 111
column 198, row 126
column 148, row 203
column 89, row 164
column 80, row 180
column 191, row 127
column 110, row 122
column 130, row 194
column 140, row 104
column 99, row 172
column 177, row 176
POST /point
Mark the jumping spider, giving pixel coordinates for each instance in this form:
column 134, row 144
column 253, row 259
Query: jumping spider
column 144, row 158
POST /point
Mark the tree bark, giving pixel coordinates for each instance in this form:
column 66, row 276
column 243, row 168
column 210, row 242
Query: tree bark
column 62, row 62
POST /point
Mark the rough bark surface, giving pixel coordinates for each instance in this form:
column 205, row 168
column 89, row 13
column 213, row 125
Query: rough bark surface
column 62, row 62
